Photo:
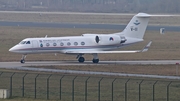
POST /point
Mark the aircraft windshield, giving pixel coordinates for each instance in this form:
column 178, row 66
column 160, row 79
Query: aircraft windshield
column 25, row 42
column 22, row 42
column 28, row 42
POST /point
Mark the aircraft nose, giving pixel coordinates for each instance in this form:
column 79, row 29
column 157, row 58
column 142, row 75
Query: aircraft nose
column 12, row 49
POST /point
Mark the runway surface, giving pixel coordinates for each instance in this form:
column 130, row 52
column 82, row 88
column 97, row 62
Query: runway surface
column 19, row 66
column 88, row 26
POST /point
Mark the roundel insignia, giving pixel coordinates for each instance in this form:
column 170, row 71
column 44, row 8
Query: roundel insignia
column 111, row 39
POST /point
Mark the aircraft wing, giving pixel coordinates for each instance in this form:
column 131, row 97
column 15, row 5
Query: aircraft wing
column 91, row 52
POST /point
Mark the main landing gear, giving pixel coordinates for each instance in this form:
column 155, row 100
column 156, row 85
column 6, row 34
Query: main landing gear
column 23, row 59
column 95, row 58
column 82, row 59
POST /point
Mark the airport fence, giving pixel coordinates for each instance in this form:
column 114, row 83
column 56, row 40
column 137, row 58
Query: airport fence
column 88, row 88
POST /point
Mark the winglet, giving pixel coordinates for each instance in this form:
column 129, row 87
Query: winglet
column 146, row 47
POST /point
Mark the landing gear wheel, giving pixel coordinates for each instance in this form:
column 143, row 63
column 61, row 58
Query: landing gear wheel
column 95, row 60
column 22, row 61
column 81, row 59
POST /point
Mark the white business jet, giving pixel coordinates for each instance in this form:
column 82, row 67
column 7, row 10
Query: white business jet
column 93, row 44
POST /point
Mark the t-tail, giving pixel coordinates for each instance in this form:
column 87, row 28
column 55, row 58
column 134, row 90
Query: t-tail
column 137, row 26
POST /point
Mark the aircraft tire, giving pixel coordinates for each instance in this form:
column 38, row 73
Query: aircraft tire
column 81, row 59
column 95, row 60
column 22, row 61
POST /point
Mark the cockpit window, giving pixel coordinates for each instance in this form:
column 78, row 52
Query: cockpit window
column 28, row 42
column 22, row 42
column 25, row 42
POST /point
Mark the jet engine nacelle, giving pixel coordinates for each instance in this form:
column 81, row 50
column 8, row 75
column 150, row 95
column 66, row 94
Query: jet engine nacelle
column 123, row 39
column 89, row 34
column 109, row 39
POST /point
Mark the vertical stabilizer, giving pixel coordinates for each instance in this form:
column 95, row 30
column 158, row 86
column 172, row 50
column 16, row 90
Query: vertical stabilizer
column 137, row 26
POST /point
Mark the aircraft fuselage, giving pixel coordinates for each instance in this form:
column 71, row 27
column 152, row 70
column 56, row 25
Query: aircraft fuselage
column 78, row 43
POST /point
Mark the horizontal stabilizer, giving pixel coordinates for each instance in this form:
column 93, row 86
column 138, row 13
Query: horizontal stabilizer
column 144, row 15
column 92, row 52
column 147, row 47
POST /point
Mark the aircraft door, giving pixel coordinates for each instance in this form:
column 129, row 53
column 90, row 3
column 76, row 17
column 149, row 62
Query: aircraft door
column 35, row 45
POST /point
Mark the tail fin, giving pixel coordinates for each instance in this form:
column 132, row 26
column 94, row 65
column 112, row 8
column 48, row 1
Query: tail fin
column 137, row 26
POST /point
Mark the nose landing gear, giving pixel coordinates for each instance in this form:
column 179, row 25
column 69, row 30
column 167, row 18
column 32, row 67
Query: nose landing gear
column 23, row 59
column 95, row 58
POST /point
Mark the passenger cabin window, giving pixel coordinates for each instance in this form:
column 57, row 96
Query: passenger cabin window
column 28, row 42
column 75, row 43
column 54, row 44
column 68, row 43
column 61, row 44
column 82, row 43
